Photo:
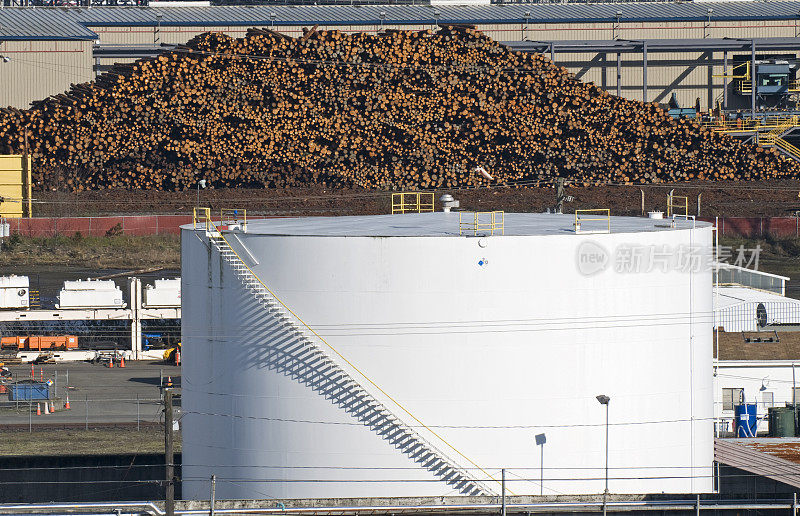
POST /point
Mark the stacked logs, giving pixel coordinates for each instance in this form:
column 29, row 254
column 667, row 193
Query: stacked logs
column 399, row 109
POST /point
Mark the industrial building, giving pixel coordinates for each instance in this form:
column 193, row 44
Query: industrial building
column 639, row 50
column 421, row 354
column 757, row 346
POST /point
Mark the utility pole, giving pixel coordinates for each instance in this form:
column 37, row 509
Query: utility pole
column 794, row 396
column 168, row 454
column 213, row 495
column 503, row 494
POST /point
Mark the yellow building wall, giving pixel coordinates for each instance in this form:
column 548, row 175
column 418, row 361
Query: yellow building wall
column 15, row 186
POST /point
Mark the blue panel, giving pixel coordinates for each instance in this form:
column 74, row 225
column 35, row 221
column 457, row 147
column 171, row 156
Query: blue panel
column 29, row 391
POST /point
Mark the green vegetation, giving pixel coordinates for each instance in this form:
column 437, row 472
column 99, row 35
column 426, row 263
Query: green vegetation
column 111, row 251
column 777, row 255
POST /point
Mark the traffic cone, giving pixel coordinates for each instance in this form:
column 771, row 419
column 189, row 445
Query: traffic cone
column 122, row 361
column 66, row 405
column 38, row 409
column 111, row 362
column 177, row 356
column 169, row 381
column 52, row 407
column 46, row 409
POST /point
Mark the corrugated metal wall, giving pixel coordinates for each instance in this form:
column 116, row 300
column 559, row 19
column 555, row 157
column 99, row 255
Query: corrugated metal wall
column 688, row 82
column 39, row 69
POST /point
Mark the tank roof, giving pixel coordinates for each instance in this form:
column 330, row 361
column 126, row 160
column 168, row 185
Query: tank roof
column 441, row 224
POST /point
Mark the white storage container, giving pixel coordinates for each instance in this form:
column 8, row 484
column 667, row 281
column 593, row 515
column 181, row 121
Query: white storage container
column 163, row 293
column 14, row 292
column 90, row 294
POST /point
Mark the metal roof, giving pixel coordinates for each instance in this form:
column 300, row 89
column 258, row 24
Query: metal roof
column 745, row 455
column 41, row 24
column 73, row 22
column 655, row 45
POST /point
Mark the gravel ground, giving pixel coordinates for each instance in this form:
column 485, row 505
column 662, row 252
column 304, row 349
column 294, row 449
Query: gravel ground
column 80, row 442
column 719, row 198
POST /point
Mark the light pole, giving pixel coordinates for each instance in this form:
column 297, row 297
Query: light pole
column 604, row 400
column 157, row 33
column 382, row 16
column 272, row 17
column 619, row 55
column 200, row 184
column 525, row 27
column 540, row 440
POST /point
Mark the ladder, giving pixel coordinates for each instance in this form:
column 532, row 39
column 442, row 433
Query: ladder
column 303, row 360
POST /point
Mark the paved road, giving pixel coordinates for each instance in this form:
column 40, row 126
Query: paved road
column 105, row 394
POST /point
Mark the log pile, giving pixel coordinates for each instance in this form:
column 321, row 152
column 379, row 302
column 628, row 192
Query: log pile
column 399, row 109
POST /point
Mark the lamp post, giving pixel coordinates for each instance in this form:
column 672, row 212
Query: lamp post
column 272, row 17
column 525, row 27
column 200, row 184
column 540, row 440
column 708, row 23
column 619, row 55
column 604, row 400
column 157, row 34
column 382, row 16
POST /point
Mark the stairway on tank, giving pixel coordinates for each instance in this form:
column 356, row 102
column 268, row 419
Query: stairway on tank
column 300, row 357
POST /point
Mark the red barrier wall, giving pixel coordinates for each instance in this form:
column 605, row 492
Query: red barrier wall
column 99, row 226
column 757, row 227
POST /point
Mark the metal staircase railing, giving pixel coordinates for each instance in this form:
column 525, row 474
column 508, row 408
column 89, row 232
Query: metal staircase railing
column 789, row 149
column 769, row 124
column 303, row 360
column 774, row 137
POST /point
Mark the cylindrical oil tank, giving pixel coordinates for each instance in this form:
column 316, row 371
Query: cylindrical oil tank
column 429, row 358
column 781, row 421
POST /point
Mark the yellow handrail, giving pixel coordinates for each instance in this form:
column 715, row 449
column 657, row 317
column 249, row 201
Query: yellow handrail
column 786, row 146
column 202, row 216
column 580, row 218
column 476, row 222
column 348, row 362
column 770, row 123
column 412, row 202
column 672, row 204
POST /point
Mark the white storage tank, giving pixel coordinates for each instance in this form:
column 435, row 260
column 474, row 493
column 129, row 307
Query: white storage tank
column 90, row 294
column 436, row 359
column 14, row 292
column 163, row 293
